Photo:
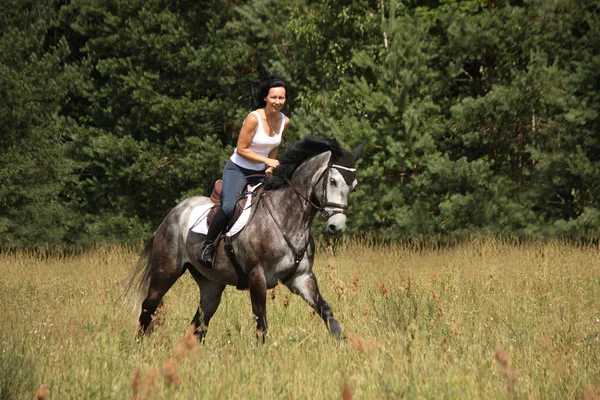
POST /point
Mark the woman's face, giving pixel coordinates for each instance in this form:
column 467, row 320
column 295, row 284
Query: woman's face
column 275, row 99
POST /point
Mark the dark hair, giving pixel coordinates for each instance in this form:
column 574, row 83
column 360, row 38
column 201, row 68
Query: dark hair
column 260, row 90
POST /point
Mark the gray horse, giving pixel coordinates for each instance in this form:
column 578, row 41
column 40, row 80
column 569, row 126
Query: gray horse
column 315, row 175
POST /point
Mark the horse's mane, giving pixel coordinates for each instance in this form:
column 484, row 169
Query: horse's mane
column 296, row 154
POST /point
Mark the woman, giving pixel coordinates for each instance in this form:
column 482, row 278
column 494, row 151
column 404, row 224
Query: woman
column 255, row 154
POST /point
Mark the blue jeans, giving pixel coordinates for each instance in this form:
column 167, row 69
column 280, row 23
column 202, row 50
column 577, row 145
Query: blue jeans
column 234, row 181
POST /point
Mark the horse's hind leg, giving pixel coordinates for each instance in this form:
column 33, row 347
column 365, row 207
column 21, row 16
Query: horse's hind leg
column 163, row 271
column 305, row 286
column 210, row 298
column 160, row 283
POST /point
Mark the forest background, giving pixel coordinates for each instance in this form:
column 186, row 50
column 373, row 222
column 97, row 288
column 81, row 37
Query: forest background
column 480, row 117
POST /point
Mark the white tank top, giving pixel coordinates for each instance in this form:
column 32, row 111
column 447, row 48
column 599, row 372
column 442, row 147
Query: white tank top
column 261, row 144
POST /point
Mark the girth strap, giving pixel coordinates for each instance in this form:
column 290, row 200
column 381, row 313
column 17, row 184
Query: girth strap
column 242, row 276
column 242, row 282
column 298, row 254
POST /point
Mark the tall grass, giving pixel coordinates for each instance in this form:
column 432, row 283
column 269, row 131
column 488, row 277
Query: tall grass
column 484, row 319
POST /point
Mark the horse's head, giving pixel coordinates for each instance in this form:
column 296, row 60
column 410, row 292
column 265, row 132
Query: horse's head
column 327, row 172
column 338, row 181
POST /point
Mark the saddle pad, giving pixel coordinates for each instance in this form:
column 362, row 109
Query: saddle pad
column 197, row 222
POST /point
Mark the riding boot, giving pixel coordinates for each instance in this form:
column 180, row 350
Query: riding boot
column 207, row 253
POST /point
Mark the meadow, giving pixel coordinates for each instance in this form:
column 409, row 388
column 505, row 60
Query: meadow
column 483, row 319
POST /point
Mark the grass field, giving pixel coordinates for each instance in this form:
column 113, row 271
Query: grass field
column 485, row 319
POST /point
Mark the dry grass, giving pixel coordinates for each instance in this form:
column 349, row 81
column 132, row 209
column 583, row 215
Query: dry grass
column 480, row 320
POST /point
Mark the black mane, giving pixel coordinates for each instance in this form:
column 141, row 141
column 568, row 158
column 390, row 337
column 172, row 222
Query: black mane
column 299, row 152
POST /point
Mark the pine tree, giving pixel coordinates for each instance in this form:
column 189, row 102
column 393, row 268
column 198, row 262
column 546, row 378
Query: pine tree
column 37, row 205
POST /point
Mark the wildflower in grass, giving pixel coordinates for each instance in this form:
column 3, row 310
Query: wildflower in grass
column 340, row 287
column 186, row 346
column 286, row 300
column 190, row 340
column 150, row 385
column 506, row 370
column 42, row 393
column 591, row 393
column 346, row 392
column 454, row 329
column 409, row 287
column 382, row 288
column 444, row 345
column 136, row 382
column 438, row 306
column 170, row 371
column 365, row 309
column 433, row 275
column 360, row 344
column 355, row 283
column 274, row 293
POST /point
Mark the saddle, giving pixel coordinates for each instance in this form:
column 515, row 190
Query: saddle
column 215, row 197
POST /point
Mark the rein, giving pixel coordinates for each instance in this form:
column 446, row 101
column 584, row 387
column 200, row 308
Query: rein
column 257, row 192
column 341, row 209
column 298, row 254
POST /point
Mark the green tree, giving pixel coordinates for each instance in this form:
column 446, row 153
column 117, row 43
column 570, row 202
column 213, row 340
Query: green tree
column 37, row 202
column 159, row 116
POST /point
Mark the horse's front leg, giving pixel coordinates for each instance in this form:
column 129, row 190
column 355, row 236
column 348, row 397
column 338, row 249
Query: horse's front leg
column 258, row 295
column 305, row 285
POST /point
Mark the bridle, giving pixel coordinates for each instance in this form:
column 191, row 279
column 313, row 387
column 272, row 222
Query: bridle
column 324, row 208
column 338, row 207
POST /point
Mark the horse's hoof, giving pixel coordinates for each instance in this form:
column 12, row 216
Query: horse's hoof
column 261, row 336
column 335, row 329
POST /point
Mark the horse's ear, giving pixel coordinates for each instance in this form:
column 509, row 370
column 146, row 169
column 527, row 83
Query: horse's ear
column 358, row 151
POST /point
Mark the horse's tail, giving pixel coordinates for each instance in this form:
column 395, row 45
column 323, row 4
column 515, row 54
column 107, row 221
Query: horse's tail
column 139, row 280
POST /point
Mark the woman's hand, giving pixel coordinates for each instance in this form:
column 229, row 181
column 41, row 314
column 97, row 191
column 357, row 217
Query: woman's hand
column 272, row 163
column 269, row 172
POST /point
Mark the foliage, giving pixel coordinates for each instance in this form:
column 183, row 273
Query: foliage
column 479, row 116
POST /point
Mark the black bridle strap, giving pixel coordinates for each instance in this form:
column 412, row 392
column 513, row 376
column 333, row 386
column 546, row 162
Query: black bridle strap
column 316, row 207
column 342, row 208
column 300, row 195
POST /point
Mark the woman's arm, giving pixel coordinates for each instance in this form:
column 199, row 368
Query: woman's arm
column 273, row 153
column 244, row 140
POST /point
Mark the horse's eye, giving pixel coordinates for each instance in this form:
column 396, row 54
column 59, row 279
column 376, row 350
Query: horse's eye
column 333, row 182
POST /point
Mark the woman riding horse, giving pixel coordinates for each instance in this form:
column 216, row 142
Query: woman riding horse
column 254, row 157
column 276, row 246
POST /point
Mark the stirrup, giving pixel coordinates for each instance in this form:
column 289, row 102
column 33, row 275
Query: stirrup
column 207, row 255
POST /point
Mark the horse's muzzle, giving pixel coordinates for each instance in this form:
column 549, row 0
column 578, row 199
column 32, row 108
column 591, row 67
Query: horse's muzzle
column 336, row 224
